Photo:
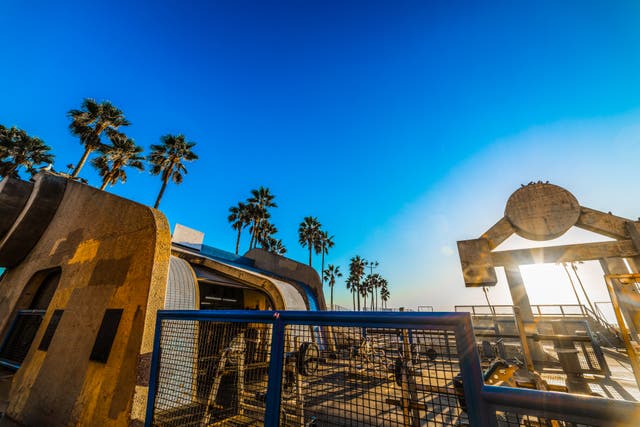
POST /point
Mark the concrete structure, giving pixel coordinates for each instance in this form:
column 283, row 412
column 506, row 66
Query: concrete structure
column 92, row 269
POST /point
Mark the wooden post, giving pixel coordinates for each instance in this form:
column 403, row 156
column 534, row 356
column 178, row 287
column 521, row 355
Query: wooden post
column 521, row 301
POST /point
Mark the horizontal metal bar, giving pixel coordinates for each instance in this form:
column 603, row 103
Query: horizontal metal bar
column 431, row 320
column 563, row 406
column 538, row 337
column 9, row 365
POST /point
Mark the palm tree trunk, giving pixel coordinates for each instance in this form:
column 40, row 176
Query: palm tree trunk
column 253, row 233
column 238, row 241
column 81, row 163
column 11, row 170
column 310, row 249
column 354, row 300
column 105, row 182
column 332, row 297
column 322, row 271
column 376, row 291
column 164, row 186
column 358, row 292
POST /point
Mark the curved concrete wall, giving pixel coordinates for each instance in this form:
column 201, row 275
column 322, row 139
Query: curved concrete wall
column 14, row 194
column 34, row 218
column 289, row 269
column 113, row 254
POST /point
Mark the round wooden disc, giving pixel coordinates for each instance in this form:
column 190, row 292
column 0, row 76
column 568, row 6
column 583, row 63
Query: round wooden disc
column 542, row 211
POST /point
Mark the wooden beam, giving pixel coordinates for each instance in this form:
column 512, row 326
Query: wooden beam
column 567, row 253
column 603, row 223
column 497, row 234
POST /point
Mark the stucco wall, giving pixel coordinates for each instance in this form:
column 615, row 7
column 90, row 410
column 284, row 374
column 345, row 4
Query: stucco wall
column 114, row 254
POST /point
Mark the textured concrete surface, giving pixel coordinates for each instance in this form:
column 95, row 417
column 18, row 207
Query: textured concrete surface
column 113, row 254
column 33, row 220
column 14, row 194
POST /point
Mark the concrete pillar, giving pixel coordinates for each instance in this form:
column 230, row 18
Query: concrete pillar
column 520, row 299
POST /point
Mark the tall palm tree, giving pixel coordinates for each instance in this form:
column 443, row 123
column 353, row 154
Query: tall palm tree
column 322, row 246
column 260, row 201
column 376, row 282
column 353, row 288
column 364, row 293
column 309, row 233
column 18, row 149
column 90, row 122
column 239, row 217
column 330, row 275
column 356, row 272
column 114, row 158
column 384, row 292
column 167, row 160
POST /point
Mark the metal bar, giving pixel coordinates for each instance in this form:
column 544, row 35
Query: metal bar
column 538, row 337
column 8, row 364
column 153, row 374
column 274, row 383
column 420, row 320
column 563, row 406
column 472, row 382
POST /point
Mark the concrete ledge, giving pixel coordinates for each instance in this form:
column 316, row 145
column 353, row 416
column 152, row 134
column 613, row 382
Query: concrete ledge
column 14, row 194
column 34, row 219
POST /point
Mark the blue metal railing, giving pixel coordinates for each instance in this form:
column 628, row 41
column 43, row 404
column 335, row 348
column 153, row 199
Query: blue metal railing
column 484, row 404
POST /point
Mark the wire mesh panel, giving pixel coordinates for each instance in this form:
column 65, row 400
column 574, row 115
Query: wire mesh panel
column 240, row 368
column 371, row 377
column 212, row 373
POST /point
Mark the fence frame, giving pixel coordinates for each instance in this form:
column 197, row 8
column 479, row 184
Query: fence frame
column 482, row 400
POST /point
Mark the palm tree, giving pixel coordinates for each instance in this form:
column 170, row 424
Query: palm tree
column 365, row 289
column 260, row 201
column 18, row 149
column 330, row 275
column 356, row 271
column 90, row 122
column 322, row 246
column 239, row 217
column 309, row 233
column 275, row 246
column 265, row 233
column 352, row 287
column 384, row 292
column 376, row 282
column 166, row 159
column 113, row 159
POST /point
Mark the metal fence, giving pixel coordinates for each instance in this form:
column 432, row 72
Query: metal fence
column 246, row 368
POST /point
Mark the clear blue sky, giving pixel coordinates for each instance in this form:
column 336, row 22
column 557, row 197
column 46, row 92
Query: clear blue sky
column 378, row 117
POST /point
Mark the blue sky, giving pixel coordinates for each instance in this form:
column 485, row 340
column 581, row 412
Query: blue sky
column 403, row 126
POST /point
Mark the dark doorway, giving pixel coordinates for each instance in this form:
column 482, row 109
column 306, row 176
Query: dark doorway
column 30, row 311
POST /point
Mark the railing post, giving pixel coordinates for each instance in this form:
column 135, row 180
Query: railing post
column 153, row 374
column 274, row 384
column 479, row 411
